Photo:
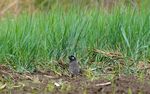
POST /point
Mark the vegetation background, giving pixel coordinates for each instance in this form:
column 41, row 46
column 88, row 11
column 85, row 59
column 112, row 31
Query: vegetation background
column 47, row 30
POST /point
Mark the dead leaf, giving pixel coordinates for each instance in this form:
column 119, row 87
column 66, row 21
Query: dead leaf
column 104, row 84
column 36, row 80
column 3, row 86
column 28, row 77
column 49, row 76
column 56, row 84
column 59, row 83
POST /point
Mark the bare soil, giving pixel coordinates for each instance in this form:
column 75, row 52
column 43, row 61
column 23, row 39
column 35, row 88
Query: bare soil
column 50, row 83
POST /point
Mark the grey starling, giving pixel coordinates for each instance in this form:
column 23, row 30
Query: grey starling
column 73, row 66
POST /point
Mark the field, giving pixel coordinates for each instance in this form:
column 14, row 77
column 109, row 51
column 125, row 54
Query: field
column 111, row 45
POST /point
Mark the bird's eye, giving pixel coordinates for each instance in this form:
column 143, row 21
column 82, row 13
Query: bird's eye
column 72, row 58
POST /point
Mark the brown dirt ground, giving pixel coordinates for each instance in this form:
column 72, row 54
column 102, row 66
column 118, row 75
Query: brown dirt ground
column 50, row 83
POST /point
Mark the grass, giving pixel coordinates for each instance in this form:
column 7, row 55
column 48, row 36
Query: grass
column 29, row 41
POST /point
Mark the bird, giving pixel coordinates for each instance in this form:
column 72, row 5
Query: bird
column 73, row 66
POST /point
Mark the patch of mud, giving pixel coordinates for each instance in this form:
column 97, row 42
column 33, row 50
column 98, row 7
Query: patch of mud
column 49, row 83
column 121, row 85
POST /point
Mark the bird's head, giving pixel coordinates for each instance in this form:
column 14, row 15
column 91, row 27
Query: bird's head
column 72, row 58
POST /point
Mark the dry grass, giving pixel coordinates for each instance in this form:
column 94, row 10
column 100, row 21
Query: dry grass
column 16, row 6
